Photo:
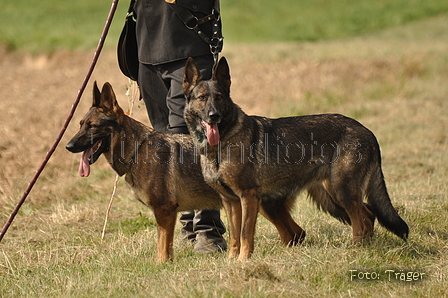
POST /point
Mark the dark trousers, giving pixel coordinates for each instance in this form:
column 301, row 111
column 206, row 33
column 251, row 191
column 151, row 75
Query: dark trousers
column 161, row 89
column 162, row 92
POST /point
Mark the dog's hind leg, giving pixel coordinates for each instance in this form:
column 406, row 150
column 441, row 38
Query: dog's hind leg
column 350, row 197
column 277, row 212
column 234, row 215
column 298, row 232
column 324, row 201
column 166, row 221
column 362, row 222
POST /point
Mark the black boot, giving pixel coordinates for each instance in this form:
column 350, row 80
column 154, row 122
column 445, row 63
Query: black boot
column 186, row 220
column 207, row 230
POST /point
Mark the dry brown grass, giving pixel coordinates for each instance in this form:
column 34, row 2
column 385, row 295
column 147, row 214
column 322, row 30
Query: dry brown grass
column 393, row 82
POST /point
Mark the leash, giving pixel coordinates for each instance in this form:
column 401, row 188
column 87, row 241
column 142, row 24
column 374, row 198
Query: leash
column 192, row 22
column 67, row 120
column 217, row 39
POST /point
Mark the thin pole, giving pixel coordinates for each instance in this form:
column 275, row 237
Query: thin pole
column 67, row 120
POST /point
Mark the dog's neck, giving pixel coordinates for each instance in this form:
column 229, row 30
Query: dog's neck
column 126, row 143
column 232, row 123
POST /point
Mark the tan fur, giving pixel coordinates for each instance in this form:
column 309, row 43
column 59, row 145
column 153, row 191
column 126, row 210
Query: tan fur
column 267, row 162
column 162, row 170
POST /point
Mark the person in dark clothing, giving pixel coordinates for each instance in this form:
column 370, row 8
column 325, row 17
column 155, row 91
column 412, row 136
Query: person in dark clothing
column 164, row 44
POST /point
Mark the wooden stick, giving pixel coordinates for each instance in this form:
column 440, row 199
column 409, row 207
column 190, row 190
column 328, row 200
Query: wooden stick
column 110, row 206
column 67, row 120
column 131, row 97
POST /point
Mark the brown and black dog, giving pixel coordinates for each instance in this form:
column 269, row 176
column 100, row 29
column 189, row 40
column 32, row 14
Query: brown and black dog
column 163, row 170
column 256, row 161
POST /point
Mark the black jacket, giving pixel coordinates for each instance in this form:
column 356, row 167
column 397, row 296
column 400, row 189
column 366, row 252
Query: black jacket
column 163, row 37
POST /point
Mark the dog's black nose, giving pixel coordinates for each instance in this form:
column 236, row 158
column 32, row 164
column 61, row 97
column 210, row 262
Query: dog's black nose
column 70, row 147
column 214, row 116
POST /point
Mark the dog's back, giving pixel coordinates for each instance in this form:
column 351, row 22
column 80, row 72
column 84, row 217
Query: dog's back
column 170, row 170
column 162, row 170
column 333, row 157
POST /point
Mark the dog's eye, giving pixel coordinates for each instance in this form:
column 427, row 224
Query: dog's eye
column 92, row 126
column 201, row 97
column 218, row 96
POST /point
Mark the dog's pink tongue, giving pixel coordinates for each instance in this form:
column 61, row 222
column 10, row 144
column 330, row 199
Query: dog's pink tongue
column 212, row 133
column 84, row 166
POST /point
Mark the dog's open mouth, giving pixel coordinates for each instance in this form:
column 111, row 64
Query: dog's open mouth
column 211, row 131
column 89, row 157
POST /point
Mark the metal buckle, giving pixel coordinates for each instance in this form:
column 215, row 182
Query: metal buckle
column 189, row 24
column 131, row 14
column 216, row 45
column 216, row 14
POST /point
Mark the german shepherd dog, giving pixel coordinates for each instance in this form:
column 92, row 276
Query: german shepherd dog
column 255, row 161
column 162, row 170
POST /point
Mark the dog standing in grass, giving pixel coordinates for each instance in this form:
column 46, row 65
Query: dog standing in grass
column 256, row 161
column 162, row 170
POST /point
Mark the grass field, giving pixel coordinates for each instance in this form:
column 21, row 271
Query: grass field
column 292, row 20
column 394, row 81
column 50, row 25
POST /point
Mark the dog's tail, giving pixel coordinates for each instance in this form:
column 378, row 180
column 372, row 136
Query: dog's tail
column 379, row 203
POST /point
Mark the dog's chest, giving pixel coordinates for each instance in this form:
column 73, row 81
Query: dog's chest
column 216, row 175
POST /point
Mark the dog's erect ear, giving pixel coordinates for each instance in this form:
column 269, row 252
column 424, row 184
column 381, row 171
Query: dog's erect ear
column 222, row 73
column 191, row 76
column 108, row 101
column 96, row 95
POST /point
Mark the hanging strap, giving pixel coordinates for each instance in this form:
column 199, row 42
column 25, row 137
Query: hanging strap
column 131, row 13
column 192, row 23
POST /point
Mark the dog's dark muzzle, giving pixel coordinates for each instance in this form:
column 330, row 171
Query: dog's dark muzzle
column 77, row 144
column 100, row 145
column 71, row 146
column 214, row 116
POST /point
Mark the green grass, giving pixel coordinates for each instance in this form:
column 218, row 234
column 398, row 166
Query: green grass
column 49, row 25
column 393, row 81
column 54, row 247
column 289, row 20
